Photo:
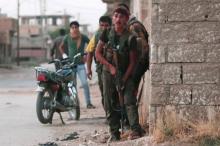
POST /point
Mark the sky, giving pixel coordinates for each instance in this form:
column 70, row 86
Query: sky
column 85, row 11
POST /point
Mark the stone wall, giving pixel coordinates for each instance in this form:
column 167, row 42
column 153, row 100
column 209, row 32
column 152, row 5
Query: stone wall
column 185, row 60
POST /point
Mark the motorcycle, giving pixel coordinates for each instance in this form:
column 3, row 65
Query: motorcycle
column 57, row 91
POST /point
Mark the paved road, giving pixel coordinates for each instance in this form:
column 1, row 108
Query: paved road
column 18, row 122
column 19, row 125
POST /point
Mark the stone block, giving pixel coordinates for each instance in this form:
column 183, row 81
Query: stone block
column 206, row 95
column 162, row 54
column 165, row 74
column 191, row 114
column 153, row 54
column 158, row 54
column 197, row 11
column 214, row 11
column 171, row 33
column 180, row 95
column 186, row 53
column 206, row 32
column 159, row 95
column 181, row 1
column 200, row 73
column 188, row 32
column 213, row 53
column 156, row 1
column 155, row 14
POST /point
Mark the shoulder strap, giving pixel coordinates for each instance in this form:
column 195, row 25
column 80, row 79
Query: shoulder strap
column 132, row 21
column 97, row 35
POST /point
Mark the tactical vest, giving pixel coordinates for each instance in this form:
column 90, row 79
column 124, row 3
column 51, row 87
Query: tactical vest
column 98, row 65
column 121, row 46
column 97, row 36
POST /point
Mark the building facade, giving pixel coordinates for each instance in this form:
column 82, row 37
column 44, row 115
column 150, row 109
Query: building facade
column 7, row 30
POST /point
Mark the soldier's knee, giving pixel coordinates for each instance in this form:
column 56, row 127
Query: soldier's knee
column 129, row 100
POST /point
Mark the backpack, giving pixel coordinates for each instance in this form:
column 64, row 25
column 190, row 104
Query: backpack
column 138, row 29
column 142, row 65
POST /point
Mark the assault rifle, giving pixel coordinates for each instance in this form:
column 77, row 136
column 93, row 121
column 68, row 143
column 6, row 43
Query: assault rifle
column 120, row 87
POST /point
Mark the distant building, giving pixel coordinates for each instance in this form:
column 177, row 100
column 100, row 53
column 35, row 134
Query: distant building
column 35, row 42
column 38, row 24
column 7, row 30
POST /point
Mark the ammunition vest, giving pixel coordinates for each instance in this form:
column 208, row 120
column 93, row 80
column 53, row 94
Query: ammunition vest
column 119, row 45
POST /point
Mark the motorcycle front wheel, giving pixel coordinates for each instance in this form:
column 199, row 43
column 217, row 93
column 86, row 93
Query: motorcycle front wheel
column 43, row 107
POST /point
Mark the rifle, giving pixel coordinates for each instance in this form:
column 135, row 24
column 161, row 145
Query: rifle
column 119, row 88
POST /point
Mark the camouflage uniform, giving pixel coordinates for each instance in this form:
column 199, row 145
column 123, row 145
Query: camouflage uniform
column 99, row 67
column 142, row 65
column 91, row 49
column 111, row 101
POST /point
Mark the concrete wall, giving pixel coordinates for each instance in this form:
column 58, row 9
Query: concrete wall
column 185, row 60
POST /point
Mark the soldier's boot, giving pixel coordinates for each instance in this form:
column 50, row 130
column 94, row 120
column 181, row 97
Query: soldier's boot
column 134, row 122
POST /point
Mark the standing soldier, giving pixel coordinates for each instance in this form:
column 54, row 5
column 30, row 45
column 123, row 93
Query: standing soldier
column 138, row 29
column 104, row 23
column 75, row 43
column 118, row 60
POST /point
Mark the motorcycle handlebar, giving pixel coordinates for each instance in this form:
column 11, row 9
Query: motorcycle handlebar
column 66, row 60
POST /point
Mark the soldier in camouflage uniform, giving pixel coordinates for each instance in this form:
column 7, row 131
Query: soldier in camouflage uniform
column 138, row 29
column 104, row 23
column 121, row 39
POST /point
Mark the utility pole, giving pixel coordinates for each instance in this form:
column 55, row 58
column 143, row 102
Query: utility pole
column 43, row 25
column 18, row 33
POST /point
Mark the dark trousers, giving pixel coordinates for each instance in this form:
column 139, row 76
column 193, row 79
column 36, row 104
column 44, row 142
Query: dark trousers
column 111, row 104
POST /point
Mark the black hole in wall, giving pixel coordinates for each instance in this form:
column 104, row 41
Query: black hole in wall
column 206, row 16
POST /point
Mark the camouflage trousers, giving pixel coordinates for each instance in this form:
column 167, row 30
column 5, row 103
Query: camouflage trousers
column 111, row 104
column 139, row 70
column 100, row 82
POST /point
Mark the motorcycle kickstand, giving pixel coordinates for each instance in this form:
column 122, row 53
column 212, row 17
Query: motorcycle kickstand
column 61, row 118
column 51, row 119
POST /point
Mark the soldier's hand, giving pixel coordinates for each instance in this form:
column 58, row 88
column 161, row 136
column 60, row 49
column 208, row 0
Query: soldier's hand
column 112, row 69
column 89, row 74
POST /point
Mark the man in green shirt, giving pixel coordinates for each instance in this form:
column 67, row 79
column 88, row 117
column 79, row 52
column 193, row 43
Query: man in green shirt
column 76, row 43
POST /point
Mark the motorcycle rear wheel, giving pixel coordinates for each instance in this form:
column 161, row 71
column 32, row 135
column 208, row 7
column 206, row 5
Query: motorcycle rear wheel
column 43, row 108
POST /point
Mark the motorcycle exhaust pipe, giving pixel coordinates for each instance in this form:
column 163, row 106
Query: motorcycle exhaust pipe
column 60, row 107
